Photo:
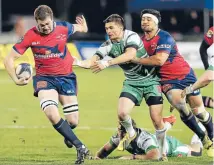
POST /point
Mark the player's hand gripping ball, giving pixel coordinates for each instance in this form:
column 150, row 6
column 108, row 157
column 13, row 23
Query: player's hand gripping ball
column 24, row 70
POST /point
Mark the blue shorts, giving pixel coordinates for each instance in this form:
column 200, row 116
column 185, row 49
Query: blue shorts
column 64, row 85
column 180, row 84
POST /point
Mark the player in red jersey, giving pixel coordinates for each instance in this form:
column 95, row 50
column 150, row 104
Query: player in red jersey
column 175, row 75
column 54, row 80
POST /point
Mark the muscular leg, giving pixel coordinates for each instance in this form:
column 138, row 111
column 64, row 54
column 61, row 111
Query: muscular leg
column 155, row 109
column 125, row 107
column 199, row 111
column 174, row 97
column 70, row 110
column 47, row 99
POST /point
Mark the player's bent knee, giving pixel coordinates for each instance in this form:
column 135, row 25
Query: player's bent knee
column 70, row 108
column 46, row 103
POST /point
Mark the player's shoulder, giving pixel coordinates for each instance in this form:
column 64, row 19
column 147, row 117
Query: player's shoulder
column 211, row 28
column 129, row 33
column 33, row 30
column 165, row 36
column 62, row 23
column 210, row 32
column 163, row 33
column 106, row 43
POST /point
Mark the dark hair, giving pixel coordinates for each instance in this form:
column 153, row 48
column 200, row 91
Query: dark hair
column 115, row 18
column 42, row 12
column 153, row 12
column 122, row 128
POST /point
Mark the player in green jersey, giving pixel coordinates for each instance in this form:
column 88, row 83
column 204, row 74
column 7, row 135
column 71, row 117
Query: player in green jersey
column 141, row 81
column 145, row 145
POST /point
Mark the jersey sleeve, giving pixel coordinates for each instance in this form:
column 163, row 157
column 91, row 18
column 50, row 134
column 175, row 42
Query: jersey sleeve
column 70, row 28
column 133, row 40
column 23, row 43
column 146, row 141
column 104, row 49
column 114, row 140
column 208, row 37
column 165, row 44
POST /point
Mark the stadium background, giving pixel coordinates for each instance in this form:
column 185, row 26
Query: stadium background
column 26, row 137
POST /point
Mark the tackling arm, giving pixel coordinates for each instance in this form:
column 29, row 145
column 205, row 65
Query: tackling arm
column 156, row 60
column 86, row 63
column 129, row 54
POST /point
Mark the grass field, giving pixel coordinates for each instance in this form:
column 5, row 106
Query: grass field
column 27, row 137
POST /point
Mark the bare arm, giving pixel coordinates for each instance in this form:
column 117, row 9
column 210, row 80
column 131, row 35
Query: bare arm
column 9, row 66
column 81, row 25
column 129, row 54
column 86, row 63
column 156, row 60
column 150, row 155
column 105, row 151
column 203, row 81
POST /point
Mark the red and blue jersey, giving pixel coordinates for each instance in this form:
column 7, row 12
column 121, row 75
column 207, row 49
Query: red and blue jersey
column 175, row 67
column 50, row 52
column 208, row 37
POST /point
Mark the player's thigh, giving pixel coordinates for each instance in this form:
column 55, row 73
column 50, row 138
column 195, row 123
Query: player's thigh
column 174, row 97
column 70, row 108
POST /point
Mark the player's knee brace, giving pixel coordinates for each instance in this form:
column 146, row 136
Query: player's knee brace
column 201, row 113
column 70, row 108
column 45, row 103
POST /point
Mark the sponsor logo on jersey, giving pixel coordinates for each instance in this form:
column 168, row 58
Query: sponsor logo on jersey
column 41, row 84
column 164, row 46
column 153, row 46
column 35, row 43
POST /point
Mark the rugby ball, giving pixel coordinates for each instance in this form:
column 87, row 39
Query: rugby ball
column 24, row 70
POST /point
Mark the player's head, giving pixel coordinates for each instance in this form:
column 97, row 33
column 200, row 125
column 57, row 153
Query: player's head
column 43, row 15
column 122, row 130
column 150, row 19
column 114, row 25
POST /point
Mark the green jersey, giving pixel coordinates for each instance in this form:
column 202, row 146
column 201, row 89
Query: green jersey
column 145, row 141
column 132, row 71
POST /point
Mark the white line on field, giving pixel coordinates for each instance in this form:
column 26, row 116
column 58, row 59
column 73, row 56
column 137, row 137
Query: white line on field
column 81, row 128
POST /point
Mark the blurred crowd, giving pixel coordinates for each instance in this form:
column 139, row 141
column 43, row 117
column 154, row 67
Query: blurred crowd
column 178, row 22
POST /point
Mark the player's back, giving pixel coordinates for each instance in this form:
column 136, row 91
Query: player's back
column 50, row 51
column 175, row 66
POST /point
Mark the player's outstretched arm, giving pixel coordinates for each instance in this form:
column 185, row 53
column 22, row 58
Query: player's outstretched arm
column 81, row 24
column 129, row 54
column 203, row 81
column 150, row 155
column 85, row 63
column 105, row 151
column 9, row 66
column 156, row 60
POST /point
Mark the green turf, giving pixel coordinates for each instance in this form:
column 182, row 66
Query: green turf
column 32, row 140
